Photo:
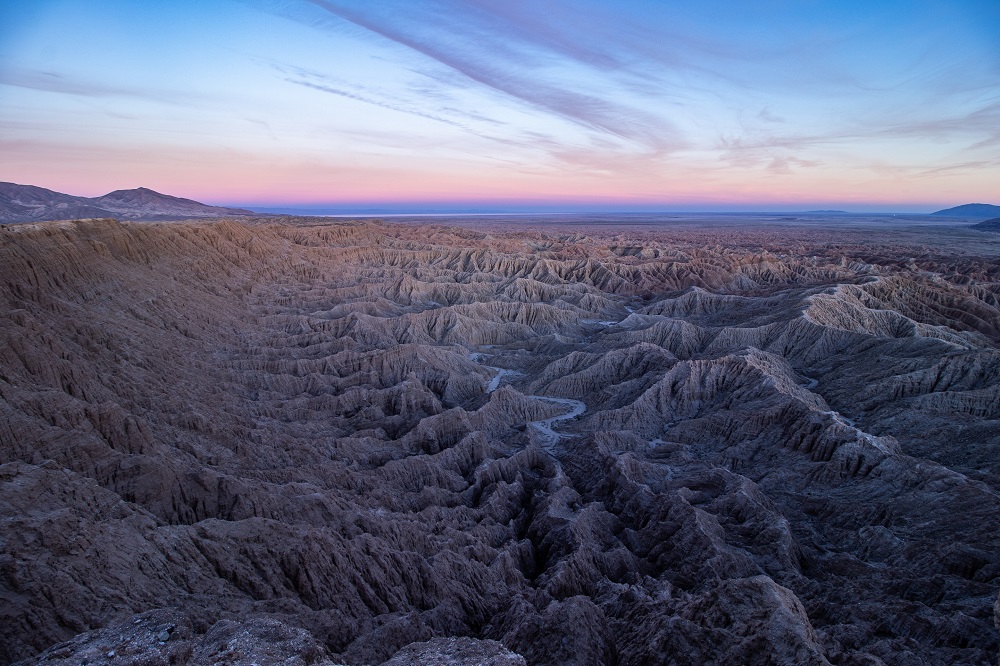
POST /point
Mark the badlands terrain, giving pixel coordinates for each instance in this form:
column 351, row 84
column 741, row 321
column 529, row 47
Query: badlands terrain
column 655, row 442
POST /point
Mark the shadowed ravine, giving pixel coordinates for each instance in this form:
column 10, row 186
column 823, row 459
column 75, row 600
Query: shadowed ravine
column 336, row 441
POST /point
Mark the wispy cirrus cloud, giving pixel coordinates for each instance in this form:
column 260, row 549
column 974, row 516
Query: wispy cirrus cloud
column 656, row 93
column 975, row 131
column 981, row 126
column 957, row 167
column 369, row 100
column 55, row 82
column 511, row 63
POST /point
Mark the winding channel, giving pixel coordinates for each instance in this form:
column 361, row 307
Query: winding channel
column 544, row 427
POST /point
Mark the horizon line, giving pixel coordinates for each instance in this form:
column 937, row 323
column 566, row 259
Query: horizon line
column 324, row 211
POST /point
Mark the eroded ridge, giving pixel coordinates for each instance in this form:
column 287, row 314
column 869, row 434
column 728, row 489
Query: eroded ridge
column 613, row 447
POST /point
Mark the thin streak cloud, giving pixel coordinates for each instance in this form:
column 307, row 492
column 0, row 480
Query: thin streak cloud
column 368, row 100
column 588, row 110
column 54, row 82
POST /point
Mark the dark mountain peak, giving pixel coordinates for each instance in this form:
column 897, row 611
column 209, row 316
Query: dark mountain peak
column 141, row 194
column 144, row 201
column 26, row 203
column 32, row 195
column 971, row 210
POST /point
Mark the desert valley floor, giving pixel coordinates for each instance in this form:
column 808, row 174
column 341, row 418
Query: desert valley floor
column 318, row 441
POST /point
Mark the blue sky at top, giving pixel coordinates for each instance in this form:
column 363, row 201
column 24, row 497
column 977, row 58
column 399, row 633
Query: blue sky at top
column 669, row 105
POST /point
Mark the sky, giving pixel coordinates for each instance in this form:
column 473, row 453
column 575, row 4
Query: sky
column 549, row 105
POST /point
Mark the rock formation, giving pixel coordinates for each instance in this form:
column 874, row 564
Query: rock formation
column 312, row 441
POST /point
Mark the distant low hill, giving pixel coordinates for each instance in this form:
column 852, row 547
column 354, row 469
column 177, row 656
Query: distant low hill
column 27, row 203
column 971, row 210
column 988, row 225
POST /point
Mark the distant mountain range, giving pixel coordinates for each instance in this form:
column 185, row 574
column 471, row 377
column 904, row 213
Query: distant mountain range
column 971, row 210
column 27, row 203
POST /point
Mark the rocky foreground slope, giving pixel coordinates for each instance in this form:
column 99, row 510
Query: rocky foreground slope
column 341, row 443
